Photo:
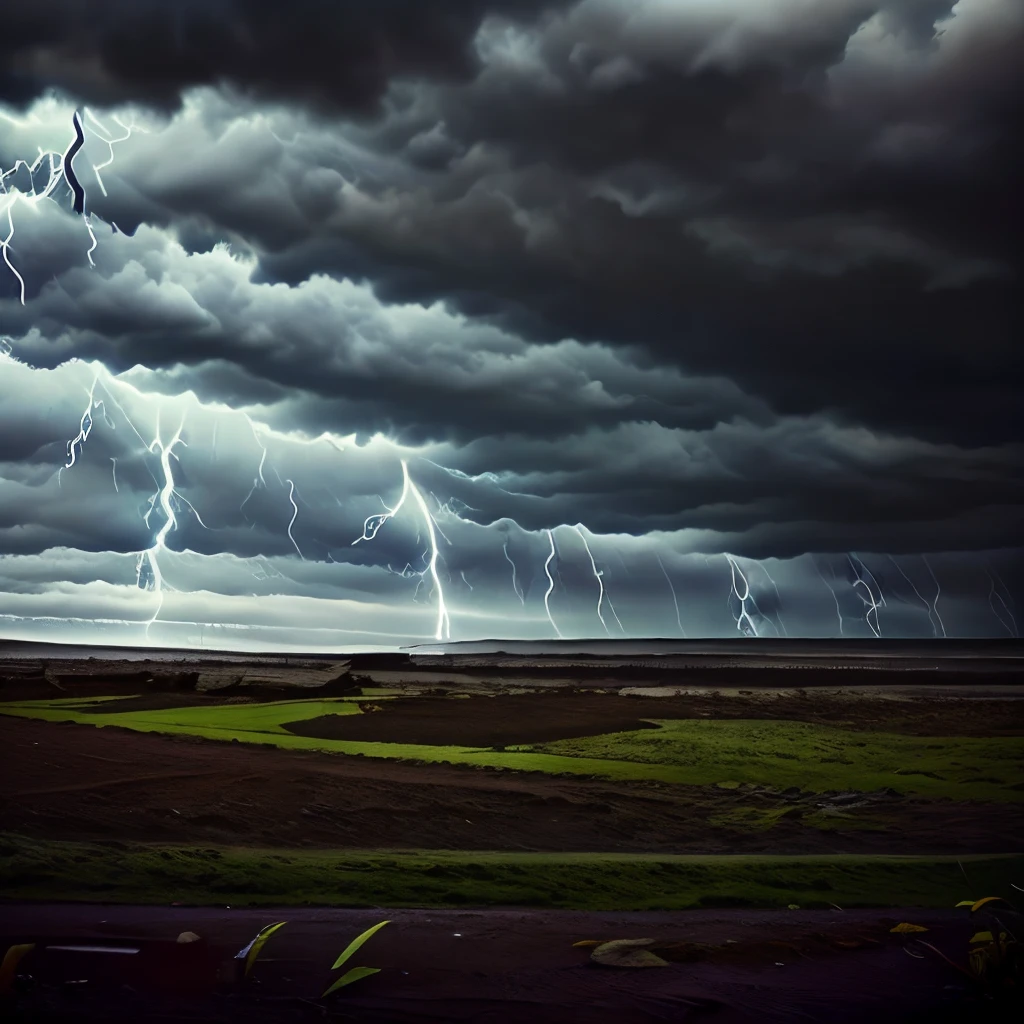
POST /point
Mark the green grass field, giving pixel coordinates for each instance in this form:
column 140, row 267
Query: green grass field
column 119, row 872
column 776, row 754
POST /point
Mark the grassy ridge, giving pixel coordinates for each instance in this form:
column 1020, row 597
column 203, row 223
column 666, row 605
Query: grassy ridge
column 31, row 869
column 778, row 754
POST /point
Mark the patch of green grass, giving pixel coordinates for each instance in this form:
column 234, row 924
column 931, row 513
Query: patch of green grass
column 816, row 758
column 776, row 754
column 244, row 722
column 118, row 872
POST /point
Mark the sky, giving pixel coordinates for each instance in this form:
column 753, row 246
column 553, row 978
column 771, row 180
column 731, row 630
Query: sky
column 453, row 319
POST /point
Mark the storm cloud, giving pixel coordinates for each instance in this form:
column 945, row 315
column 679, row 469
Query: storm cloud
column 639, row 291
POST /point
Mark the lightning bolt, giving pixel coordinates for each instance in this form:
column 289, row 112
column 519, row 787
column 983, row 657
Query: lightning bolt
column 869, row 602
column 60, row 169
column 515, row 585
column 77, row 443
column 372, row 525
column 672, row 589
column 832, row 590
column 258, row 479
column 598, row 575
column 778, row 596
column 938, row 593
column 110, row 142
column 551, row 585
column 163, row 496
column 744, row 623
column 993, row 596
column 920, row 596
column 295, row 515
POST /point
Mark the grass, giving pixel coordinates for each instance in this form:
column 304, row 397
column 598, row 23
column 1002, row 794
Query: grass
column 119, row 872
column 776, row 754
column 816, row 758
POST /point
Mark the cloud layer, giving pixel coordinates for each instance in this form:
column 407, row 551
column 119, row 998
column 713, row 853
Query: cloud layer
column 711, row 279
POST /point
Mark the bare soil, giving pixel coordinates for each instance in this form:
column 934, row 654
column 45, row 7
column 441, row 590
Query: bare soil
column 547, row 715
column 77, row 782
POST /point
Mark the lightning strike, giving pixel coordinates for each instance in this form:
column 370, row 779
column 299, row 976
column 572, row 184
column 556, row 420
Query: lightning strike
column 110, row 142
column 744, row 623
column 551, row 585
column 60, row 169
column 778, row 597
column 832, row 590
column 598, row 574
column 295, row 515
column 515, row 585
column 870, row 603
column 672, row 589
column 993, row 596
column 938, row 594
column 372, row 525
column 920, row 596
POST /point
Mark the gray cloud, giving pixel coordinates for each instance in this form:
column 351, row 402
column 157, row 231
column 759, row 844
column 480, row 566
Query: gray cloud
column 732, row 278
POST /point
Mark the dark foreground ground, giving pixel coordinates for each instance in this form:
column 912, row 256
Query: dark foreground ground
column 503, row 966
column 73, row 783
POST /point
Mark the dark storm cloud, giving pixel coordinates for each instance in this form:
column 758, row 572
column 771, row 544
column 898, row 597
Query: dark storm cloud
column 810, row 199
column 338, row 55
column 705, row 277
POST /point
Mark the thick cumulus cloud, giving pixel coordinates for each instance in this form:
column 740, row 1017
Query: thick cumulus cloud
column 708, row 278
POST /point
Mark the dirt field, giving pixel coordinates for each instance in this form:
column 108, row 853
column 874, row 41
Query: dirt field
column 77, row 782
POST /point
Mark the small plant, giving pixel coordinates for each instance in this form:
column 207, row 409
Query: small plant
column 247, row 955
column 994, row 962
column 355, row 973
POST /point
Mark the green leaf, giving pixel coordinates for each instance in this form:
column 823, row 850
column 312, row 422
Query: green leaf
column 250, row 952
column 349, row 976
column 356, row 943
column 966, row 903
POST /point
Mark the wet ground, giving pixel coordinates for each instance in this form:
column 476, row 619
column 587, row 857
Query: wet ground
column 497, row 966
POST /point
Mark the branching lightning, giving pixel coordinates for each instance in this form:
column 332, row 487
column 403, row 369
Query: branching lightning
column 744, row 622
column 165, row 498
column 372, row 525
column 870, row 602
column 60, row 168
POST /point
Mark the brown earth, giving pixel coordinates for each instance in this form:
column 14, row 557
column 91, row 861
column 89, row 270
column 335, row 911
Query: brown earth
column 77, row 782
column 548, row 715
column 494, row 967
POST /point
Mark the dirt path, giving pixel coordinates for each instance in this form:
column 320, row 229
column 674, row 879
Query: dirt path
column 502, row 966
